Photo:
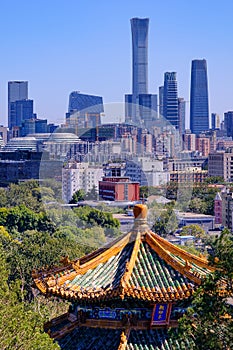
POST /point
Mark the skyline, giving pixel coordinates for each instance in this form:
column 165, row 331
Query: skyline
column 41, row 43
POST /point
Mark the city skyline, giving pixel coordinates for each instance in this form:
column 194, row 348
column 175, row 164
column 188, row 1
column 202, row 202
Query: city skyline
column 89, row 49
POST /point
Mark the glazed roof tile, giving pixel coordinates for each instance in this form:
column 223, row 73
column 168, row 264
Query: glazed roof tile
column 140, row 265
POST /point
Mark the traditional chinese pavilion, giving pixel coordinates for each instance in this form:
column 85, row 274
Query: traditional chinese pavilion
column 124, row 295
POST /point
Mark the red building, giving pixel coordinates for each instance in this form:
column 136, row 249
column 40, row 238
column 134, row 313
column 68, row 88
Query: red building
column 118, row 189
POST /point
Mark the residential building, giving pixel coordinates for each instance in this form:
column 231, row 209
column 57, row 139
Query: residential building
column 76, row 176
column 203, row 145
column 189, row 175
column 147, row 171
column 199, row 102
column 118, row 189
column 220, row 163
column 170, row 99
column 189, row 141
column 218, row 209
column 3, row 133
column 227, row 209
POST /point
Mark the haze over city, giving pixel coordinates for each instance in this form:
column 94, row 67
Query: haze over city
column 61, row 46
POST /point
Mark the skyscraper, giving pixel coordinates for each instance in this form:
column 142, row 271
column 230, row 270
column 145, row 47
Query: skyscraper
column 139, row 28
column 84, row 110
column 139, row 99
column 17, row 91
column 170, row 99
column 199, row 104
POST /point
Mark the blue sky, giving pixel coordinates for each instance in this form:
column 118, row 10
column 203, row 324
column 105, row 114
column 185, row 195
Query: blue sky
column 60, row 46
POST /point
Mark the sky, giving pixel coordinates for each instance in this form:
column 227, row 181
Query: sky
column 61, row 46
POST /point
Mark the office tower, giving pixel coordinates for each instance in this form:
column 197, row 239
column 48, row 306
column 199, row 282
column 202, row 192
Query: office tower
column 84, row 110
column 21, row 110
column 139, row 28
column 181, row 114
column 215, row 121
column 17, row 90
column 161, row 91
column 228, row 123
column 199, row 105
column 138, row 103
column 170, row 99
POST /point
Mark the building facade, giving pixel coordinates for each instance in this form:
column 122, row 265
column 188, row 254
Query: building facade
column 118, row 189
column 199, row 102
column 170, row 99
column 17, row 91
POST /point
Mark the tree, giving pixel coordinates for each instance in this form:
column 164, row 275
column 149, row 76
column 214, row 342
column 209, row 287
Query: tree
column 78, row 196
column 20, row 326
column 193, row 230
column 209, row 320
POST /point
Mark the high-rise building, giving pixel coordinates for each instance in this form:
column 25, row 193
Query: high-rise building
column 140, row 106
column 181, row 114
column 199, row 104
column 139, row 28
column 21, row 110
column 228, row 123
column 170, row 99
column 84, row 110
column 215, row 121
column 161, row 91
column 17, row 91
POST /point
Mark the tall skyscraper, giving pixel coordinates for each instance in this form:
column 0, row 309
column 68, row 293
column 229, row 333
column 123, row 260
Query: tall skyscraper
column 199, row 104
column 139, row 28
column 139, row 99
column 170, row 99
column 17, row 91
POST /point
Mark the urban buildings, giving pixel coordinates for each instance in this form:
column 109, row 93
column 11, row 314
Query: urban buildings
column 220, row 163
column 170, row 99
column 17, row 91
column 84, row 110
column 140, row 106
column 215, row 121
column 199, row 103
column 181, row 115
column 118, row 189
column 228, row 123
column 76, row 176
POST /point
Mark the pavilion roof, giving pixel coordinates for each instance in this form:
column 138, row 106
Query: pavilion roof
column 140, row 265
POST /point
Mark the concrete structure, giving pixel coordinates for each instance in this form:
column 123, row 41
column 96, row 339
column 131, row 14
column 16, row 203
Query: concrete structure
column 181, row 115
column 220, row 163
column 147, row 171
column 190, row 175
column 218, row 209
column 118, row 189
column 189, row 141
column 227, row 209
column 199, row 102
column 203, row 145
column 204, row 221
column 215, row 121
column 76, row 176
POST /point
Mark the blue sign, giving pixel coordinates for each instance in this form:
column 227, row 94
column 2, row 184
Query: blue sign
column 161, row 314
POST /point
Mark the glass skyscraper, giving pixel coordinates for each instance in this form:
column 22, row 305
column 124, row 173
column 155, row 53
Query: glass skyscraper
column 139, row 28
column 170, row 99
column 140, row 106
column 199, row 104
column 17, row 91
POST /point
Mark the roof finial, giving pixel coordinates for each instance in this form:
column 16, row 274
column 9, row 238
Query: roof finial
column 140, row 211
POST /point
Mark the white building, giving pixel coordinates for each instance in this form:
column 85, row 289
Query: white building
column 147, row 171
column 76, row 176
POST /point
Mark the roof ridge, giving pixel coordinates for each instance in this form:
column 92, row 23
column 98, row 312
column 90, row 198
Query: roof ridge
column 130, row 264
column 163, row 253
